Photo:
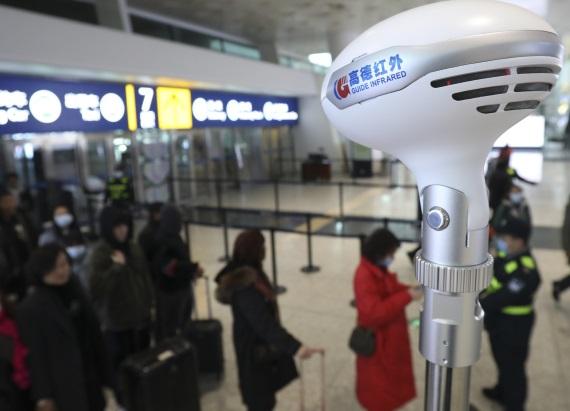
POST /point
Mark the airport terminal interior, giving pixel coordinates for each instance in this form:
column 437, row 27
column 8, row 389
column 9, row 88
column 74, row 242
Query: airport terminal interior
column 192, row 194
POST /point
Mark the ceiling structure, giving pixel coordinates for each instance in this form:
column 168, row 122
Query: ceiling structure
column 302, row 27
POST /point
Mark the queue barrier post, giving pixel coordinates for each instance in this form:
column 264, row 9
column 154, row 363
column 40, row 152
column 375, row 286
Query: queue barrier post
column 310, row 268
column 226, row 256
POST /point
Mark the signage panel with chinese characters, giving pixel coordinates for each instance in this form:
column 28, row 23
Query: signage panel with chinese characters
column 30, row 105
column 221, row 109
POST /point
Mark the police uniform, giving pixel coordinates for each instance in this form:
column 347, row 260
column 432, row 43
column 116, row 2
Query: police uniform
column 120, row 191
column 509, row 319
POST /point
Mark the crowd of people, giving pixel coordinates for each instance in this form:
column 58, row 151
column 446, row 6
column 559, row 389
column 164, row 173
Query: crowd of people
column 73, row 310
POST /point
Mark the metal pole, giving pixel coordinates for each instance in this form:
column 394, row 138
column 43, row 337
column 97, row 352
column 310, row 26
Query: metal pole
column 226, row 256
column 276, row 287
column 454, row 267
column 218, row 193
column 341, row 200
column 447, row 388
column 310, row 268
column 276, row 195
column 91, row 215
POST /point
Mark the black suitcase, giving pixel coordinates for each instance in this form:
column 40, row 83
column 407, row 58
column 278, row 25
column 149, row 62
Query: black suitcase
column 163, row 378
column 206, row 337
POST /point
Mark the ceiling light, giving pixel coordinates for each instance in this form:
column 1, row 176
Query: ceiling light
column 321, row 59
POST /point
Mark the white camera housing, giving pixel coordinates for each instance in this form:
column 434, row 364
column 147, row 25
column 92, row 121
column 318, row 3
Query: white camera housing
column 436, row 86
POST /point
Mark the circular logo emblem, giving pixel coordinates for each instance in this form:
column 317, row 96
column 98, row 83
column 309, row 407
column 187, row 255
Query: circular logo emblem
column 233, row 110
column 112, row 107
column 341, row 89
column 200, row 109
column 45, row 106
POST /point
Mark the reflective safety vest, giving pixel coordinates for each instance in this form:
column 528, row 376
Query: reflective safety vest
column 511, row 267
column 119, row 189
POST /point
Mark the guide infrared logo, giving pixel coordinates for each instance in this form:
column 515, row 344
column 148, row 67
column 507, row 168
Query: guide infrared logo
column 341, row 88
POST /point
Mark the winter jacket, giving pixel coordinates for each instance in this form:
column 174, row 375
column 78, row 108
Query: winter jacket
column 67, row 359
column 385, row 381
column 12, row 397
column 171, row 263
column 264, row 349
column 122, row 294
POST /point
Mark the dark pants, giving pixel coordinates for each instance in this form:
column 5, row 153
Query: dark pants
column 510, row 342
column 173, row 310
column 265, row 403
column 122, row 344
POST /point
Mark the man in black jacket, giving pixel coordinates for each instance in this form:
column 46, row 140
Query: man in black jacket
column 173, row 273
column 509, row 313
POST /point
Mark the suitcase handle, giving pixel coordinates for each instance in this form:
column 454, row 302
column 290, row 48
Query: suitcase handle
column 208, row 297
column 302, row 383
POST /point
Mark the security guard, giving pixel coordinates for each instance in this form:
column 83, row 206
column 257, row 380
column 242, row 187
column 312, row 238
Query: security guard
column 120, row 191
column 509, row 314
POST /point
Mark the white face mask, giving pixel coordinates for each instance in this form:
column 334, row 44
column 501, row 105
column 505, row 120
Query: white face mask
column 75, row 251
column 63, row 220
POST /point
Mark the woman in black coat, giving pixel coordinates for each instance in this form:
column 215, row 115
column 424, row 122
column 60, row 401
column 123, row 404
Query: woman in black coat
column 173, row 273
column 68, row 364
column 265, row 350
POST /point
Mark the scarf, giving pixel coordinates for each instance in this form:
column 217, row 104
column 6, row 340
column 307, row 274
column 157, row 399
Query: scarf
column 20, row 375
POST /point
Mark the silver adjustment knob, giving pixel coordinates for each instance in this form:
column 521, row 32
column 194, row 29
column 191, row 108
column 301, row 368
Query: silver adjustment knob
column 437, row 218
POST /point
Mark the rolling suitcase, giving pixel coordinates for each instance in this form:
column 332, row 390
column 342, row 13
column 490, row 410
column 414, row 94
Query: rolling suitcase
column 163, row 378
column 206, row 336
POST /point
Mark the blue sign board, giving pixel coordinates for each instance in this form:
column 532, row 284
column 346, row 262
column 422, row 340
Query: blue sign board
column 221, row 109
column 30, row 105
column 38, row 105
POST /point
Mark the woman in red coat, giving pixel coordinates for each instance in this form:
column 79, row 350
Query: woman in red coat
column 384, row 381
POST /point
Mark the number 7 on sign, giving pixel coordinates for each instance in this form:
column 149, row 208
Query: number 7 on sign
column 148, row 95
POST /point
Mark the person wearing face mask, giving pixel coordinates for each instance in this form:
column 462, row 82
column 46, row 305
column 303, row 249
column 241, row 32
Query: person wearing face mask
column 509, row 313
column 385, row 379
column 513, row 205
column 68, row 364
column 14, row 374
column 120, row 286
column 66, row 232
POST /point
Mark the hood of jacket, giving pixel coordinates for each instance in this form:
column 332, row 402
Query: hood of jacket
column 110, row 218
column 233, row 282
column 170, row 222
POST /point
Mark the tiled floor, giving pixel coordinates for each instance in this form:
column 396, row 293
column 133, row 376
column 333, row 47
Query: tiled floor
column 316, row 307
